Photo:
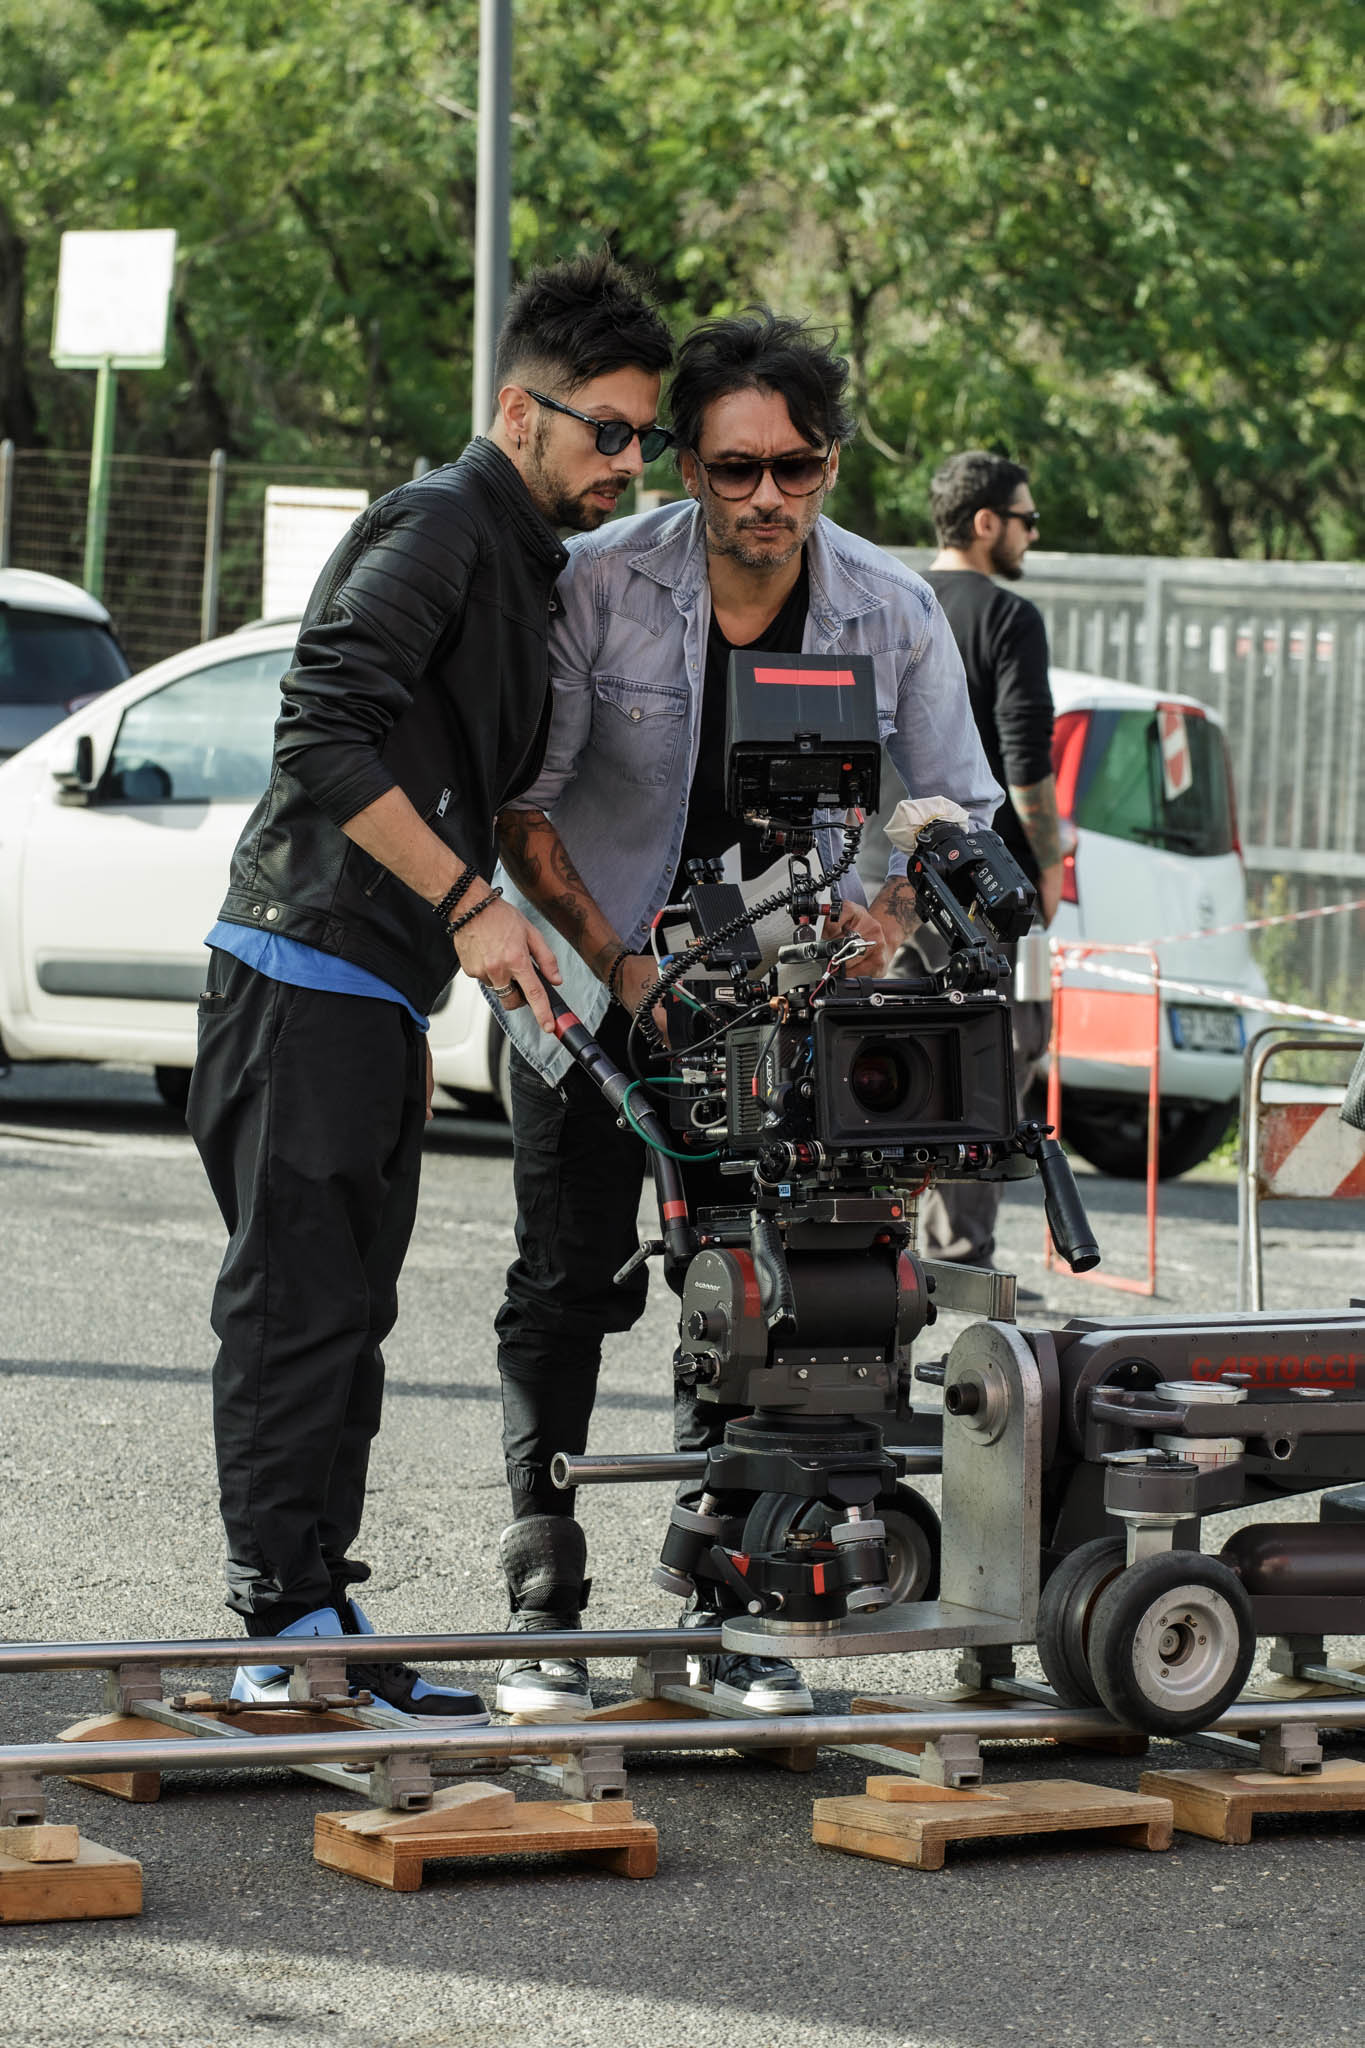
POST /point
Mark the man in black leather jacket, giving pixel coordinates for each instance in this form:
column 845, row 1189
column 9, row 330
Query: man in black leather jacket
column 416, row 705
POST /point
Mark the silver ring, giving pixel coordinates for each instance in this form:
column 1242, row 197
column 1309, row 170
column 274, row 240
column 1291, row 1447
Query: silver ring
column 500, row 993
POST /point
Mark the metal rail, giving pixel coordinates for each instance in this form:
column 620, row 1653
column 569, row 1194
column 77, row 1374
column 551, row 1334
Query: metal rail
column 577, row 1738
column 637, row 1466
column 477, row 1649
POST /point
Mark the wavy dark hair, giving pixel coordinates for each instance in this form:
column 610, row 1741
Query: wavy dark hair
column 577, row 320
column 759, row 350
column 974, row 481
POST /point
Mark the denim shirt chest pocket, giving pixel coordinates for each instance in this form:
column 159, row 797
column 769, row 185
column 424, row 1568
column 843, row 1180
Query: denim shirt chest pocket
column 638, row 727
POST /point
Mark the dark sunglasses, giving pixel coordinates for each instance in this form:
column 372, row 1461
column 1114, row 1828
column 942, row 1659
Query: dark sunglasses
column 796, row 476
column 613, row 436
column 1030, row 519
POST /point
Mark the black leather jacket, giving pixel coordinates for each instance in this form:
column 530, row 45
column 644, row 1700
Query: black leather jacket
column 421, row 664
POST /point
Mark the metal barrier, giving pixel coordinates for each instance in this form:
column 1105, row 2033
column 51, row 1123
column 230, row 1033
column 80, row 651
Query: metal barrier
column 1121, row 1027
column 1290, row 1150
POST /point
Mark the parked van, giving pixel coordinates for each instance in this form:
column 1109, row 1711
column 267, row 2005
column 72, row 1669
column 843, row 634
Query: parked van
column 1146, row 782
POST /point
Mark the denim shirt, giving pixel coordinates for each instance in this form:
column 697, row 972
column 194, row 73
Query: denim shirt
column 628, row 630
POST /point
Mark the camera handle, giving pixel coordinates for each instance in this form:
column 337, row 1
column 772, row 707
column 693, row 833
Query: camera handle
column 1066, row 1217
column 680, row 1239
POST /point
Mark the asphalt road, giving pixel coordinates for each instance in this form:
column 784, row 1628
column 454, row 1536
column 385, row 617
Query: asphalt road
column 749, row 1937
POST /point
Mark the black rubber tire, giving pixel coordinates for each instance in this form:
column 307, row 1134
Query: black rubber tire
column 914, row 1539
column 1171, row 1642
column 173, row 1086
column 1110, row 1132
column 1066, row 1612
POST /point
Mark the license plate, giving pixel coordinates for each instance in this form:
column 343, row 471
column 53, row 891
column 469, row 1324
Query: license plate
column 1194, row 1030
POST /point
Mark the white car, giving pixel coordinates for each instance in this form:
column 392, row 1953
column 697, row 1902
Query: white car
column 1145, row 782
column 116, row 833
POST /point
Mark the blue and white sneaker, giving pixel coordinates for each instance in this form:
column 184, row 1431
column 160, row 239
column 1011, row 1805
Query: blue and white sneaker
column 398, row 1696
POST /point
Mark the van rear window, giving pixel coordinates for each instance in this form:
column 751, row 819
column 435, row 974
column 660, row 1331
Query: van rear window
column 1128, row 788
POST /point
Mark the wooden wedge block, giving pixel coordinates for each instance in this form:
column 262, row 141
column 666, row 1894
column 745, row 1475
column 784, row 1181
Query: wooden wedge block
column 917, row 1831
column 139, row 1787
column 393, row 1855
column 41, row 1844
column 459, row 1806
column 919, row 1792
column 1221, row 1805
column 96, row 1884
column 1118, row 1742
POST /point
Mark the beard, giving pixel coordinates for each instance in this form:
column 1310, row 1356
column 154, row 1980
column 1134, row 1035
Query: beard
column 733, row 541
column 561, row 505
column 1011, row 567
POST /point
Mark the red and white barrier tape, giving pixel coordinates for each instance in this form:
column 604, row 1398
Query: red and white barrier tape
column 1260, row 924
column 1237, row 999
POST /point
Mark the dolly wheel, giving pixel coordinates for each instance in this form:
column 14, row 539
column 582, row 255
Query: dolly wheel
column 1171, row 1642
column 1065, row 1612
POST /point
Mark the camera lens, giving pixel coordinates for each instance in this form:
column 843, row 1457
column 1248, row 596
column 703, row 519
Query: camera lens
column 878, row 1077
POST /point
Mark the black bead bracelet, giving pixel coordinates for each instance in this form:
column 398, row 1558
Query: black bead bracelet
column 459, row 923
column 454, row 893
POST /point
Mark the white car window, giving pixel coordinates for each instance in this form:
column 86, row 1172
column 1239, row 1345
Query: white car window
column 205, row 738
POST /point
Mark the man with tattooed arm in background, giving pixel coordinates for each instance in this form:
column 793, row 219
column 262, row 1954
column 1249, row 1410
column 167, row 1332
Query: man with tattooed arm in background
column 986, row 522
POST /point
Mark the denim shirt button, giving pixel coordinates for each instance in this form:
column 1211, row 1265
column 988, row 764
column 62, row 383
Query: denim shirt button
column 635, row 713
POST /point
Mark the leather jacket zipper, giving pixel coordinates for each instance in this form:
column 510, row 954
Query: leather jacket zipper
column 437, row 809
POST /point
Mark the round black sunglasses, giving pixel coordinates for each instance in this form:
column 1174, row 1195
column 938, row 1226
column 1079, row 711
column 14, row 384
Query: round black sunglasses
column 613, row 436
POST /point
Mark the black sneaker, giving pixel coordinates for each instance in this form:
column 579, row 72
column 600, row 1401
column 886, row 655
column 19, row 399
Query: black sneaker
column 544, row 1558
column 544, row 1688
column 760, row 1685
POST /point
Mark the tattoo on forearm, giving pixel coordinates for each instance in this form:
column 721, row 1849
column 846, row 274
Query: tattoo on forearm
column 897, row 901
column 540, row 863
column 517, row 831
column 1036, row 807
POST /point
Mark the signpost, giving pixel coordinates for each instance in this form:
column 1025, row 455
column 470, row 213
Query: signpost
column 113, row 312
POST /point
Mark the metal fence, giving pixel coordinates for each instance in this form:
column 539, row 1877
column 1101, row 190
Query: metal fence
column 1277, row 649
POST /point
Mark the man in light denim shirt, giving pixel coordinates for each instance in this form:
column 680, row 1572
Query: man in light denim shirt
column 643, row 622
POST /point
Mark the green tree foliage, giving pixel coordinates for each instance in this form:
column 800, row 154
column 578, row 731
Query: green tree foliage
column 1119, row 238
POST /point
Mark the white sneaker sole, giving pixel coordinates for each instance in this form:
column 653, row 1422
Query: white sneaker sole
column 752, row 1702
column 542, row 1706
column 393, row 1717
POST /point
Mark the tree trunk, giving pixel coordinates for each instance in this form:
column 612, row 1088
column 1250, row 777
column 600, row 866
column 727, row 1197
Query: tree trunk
column 18, row 410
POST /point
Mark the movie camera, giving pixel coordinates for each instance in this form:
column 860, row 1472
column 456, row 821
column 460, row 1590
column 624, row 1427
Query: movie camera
column 831, row 1100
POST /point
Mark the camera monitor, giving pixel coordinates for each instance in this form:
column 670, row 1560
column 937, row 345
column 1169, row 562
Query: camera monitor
column 801, row 735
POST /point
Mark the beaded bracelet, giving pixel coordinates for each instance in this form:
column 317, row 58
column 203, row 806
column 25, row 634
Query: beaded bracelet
column 454, row 893
column 612, row 972
column 459, row 923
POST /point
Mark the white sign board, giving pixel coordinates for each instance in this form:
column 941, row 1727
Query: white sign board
column 302, row 527
column 114, row 299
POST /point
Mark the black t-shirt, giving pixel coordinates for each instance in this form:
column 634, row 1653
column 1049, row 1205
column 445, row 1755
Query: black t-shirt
column 710, row 830
column 1003, row 643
